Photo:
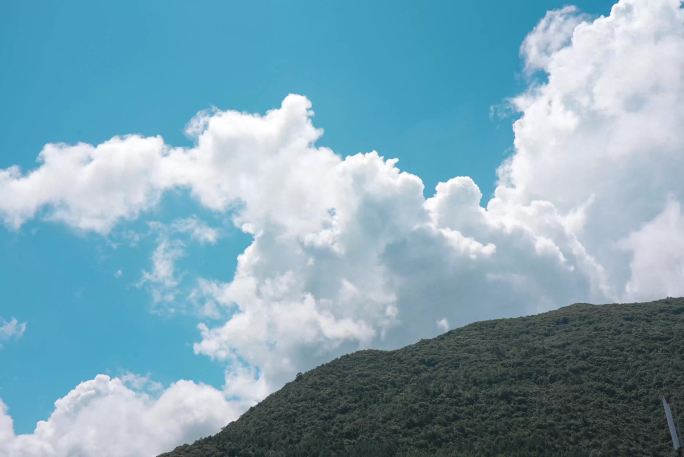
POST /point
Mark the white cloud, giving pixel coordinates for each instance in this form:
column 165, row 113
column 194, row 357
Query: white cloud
column 113, row 417
column 198, row 230
column 374, row 263
column 657, row 265
column 549, row 36
column 11, row 330
column 347, row 252
column 87, row 187
column 238, row 159
column 141, row 383
column 162, row 280
column 602, row 141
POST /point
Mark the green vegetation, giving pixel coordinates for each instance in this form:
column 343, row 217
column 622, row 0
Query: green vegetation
column 584, row 380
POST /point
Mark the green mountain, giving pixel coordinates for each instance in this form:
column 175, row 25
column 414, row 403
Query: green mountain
column 584, row 380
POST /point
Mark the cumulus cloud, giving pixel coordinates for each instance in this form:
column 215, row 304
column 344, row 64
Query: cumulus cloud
column 88, row 187
column 657, row 264
column 118, row 417
column 549, row 36
column 347, row 252
column 367, row 260
column 601, row 140
column 239, row 159
column 11, row 330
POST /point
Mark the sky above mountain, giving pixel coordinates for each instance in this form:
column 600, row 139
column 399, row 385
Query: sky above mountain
column 198, row 200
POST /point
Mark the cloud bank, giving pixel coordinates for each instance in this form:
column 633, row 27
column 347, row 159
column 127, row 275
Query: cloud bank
column 347, row 252
column 118, row 417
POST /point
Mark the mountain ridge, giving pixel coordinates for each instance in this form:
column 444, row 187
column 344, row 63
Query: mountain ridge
column 580, row 380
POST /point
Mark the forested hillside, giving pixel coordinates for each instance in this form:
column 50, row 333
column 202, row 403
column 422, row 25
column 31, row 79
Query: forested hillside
column 584, row 380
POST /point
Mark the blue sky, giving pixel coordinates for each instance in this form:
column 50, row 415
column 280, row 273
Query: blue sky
column 417, row 81
column 412, row 81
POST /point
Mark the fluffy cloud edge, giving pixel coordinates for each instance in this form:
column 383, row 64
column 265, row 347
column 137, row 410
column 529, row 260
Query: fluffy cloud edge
column 126, row 416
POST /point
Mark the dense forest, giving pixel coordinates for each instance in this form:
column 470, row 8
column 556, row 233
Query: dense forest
column 584, row 380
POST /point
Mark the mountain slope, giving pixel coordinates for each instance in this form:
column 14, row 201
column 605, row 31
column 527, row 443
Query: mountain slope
column 582, row 380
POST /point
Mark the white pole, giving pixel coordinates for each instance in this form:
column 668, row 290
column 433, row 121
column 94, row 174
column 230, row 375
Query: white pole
column 671, row 425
